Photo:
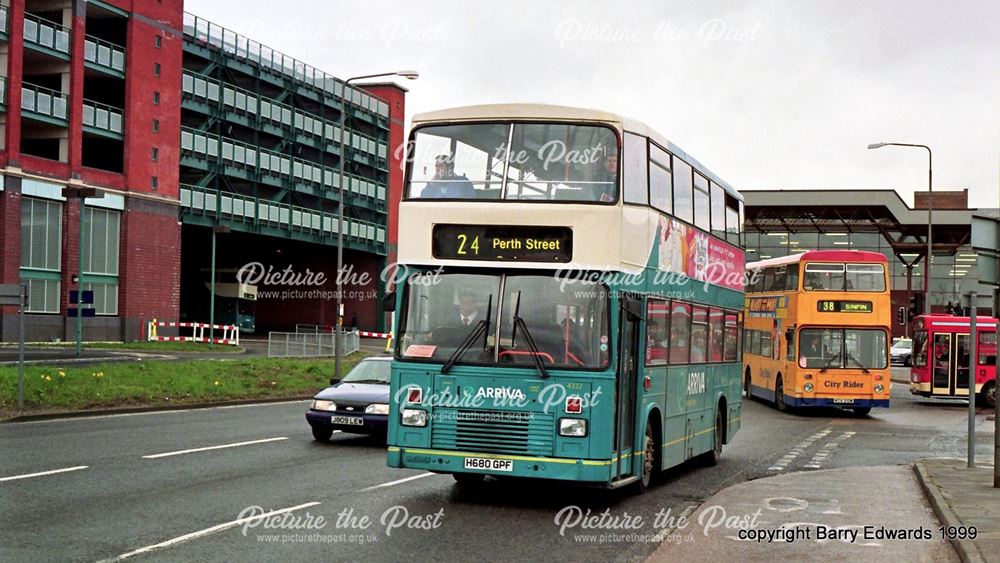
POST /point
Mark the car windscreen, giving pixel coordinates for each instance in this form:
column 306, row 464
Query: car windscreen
column 369, row 371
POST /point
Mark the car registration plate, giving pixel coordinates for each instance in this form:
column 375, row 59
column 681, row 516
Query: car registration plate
column 489, row 464
column 348, row 420
column 844, row 401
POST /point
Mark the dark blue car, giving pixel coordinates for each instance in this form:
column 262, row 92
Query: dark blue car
column 358, row 404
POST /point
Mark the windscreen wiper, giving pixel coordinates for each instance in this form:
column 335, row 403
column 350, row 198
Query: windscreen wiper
column 831, row 360
column 536, row 355
column 482, row 328
column 860, row 365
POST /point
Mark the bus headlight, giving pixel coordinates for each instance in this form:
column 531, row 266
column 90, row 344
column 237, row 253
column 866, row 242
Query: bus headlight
column 413, row 417
column 879, row 388
column 808, row 387
column 377, row 408
column 321, row 405
column 575, row 427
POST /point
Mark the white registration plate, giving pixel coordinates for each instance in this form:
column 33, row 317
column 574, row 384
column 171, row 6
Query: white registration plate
column 489, row 464
column 348, row 420
column 844, row 401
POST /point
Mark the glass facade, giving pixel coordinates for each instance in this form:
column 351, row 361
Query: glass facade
column 952, row 276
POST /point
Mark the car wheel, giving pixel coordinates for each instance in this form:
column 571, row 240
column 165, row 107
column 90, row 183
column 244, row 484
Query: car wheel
column 779, row 396
column 907, row 361
column 322, row 434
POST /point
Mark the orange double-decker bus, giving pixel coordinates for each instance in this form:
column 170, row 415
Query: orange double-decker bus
column 817, row 328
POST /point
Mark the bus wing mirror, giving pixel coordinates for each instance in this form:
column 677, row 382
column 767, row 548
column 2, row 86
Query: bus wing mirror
column 389, row 302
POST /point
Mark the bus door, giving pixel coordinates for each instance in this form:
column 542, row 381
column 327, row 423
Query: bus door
column 951, row 365
column 627, row 376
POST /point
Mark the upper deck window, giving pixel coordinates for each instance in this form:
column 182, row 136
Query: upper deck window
column 844, row 277
column 521, row 161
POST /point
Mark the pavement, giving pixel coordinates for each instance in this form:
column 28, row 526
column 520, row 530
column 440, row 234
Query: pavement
column 828, row 514
column 964, row 497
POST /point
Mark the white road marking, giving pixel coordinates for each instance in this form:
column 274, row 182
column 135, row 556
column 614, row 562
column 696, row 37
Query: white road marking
column 799, row 449
column 43, row 473
column 223, row 446
column 165, row 411
column 207, row 531
column 398, row 481
column 821, row 456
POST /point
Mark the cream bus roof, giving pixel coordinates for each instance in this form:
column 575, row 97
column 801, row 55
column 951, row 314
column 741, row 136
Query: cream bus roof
column 547, row 112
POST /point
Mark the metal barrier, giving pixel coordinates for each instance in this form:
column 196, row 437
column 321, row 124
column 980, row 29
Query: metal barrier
column 199, row 333
column 312, row 329
column 309, row 345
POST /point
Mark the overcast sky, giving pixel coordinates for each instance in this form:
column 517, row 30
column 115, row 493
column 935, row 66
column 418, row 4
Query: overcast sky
column 776, row 94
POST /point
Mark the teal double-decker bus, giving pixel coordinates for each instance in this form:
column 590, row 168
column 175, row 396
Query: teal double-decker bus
column 569, row 300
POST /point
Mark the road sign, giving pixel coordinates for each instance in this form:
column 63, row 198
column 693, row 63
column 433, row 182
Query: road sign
column 17, row 294
column 87, row 312
column 88, row 297
column 10, row 294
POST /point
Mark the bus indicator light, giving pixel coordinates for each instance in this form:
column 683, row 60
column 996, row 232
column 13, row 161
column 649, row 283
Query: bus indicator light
column 415, row 396
column 574, row 405
column 647, row 383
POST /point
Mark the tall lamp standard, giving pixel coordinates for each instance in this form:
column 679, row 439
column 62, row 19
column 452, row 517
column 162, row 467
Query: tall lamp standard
column 930, row 208
column 409, row 75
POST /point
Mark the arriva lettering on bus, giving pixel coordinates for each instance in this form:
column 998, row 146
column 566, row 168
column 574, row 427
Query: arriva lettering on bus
column 506, row 393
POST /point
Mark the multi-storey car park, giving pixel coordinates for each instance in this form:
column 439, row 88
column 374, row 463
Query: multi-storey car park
column 181, row 126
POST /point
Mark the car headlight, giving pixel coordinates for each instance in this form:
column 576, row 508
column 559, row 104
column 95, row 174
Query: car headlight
column 572, row 427
column 879, row 388
column 413, row 417
column 808, row 387
column 321, row 405
column 377, row 408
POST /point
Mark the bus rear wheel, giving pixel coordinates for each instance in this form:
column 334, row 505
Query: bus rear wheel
column 779, row 396
column 746, row 387
column 988, row 395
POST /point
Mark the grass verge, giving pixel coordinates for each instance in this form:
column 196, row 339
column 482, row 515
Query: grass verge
column 161, row 383
column 138, row 346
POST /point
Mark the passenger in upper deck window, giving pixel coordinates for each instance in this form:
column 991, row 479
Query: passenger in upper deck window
column 446, row 184
column 608, row 175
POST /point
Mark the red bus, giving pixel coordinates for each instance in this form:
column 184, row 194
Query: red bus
column 947, row 339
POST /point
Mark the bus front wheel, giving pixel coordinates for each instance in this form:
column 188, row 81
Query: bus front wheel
column 861, row 411
column 988, row 395
column 648, row 461
column 712, row 457
column 779, row 396
column 746, row 387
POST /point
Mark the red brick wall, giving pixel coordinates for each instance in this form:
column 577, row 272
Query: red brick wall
column 164, row 19
column 150, row 262
column 10, row 232
column 396, row 98
column 942, row 199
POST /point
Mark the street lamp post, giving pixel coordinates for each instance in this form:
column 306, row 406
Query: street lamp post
column 930, row 208
column 409, row 75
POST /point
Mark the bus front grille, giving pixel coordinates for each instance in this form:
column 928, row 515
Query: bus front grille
column 502, row 432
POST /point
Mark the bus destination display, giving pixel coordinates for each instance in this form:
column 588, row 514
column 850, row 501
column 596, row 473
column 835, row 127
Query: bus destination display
column 503, row 243
column 844, row 306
